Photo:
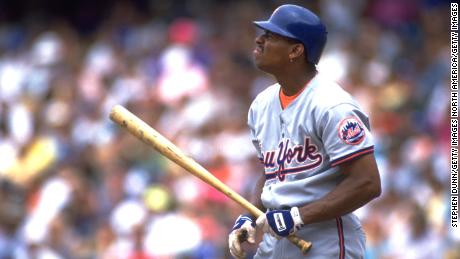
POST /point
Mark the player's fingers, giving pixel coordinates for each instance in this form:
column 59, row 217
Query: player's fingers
column 242, row 235
column 231, row 245
column 237, row 251
column 268, row 229
column 262, row 223
column 251, row 235
column 235, row 245
column 230, row 241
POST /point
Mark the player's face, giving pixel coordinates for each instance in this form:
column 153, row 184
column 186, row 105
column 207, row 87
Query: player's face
column 271, row 52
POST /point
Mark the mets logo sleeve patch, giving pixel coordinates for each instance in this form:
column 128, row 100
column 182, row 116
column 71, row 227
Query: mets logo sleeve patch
column 345, row 133
column 351, row 131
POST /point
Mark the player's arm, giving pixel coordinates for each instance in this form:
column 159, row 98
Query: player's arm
column 360, row 185
column 257, row 192
column 345, row 132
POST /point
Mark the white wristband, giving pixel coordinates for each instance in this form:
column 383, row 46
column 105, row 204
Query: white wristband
column 298, row 222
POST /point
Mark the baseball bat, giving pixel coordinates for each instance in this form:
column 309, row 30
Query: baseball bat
column 151, row 137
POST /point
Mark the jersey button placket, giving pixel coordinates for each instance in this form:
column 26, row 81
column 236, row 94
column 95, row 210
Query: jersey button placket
column 282, row 128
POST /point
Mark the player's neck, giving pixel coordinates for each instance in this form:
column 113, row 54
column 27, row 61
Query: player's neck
column 291, row 84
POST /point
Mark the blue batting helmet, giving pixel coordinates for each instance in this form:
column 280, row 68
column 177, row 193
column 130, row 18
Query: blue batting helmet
column 298, row 23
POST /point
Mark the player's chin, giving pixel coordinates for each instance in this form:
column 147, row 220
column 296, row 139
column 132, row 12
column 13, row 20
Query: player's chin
column 262, row 66
column 259, row 62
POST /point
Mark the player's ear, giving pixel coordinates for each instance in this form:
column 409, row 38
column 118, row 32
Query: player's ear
column 296, row 51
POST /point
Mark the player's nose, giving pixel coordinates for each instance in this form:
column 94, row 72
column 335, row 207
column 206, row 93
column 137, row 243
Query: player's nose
column 259, row 39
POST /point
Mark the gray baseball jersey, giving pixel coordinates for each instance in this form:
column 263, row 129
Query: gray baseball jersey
column 301, row 147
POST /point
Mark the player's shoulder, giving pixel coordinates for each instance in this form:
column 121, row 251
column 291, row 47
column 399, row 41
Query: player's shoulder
column 328, row 94
column 265, row 97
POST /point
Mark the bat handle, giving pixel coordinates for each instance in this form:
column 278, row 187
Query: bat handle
column 303, row 245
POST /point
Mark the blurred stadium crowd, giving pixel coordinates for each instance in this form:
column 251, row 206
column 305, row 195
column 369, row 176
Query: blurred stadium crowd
column 74, row 185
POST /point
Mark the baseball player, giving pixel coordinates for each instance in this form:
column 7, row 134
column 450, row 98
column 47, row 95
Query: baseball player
column 314, row 142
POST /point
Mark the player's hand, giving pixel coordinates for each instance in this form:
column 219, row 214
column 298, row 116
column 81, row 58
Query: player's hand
column 243, row 230
column 280, row 223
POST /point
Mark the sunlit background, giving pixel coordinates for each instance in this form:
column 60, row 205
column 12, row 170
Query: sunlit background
column 75, row 185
